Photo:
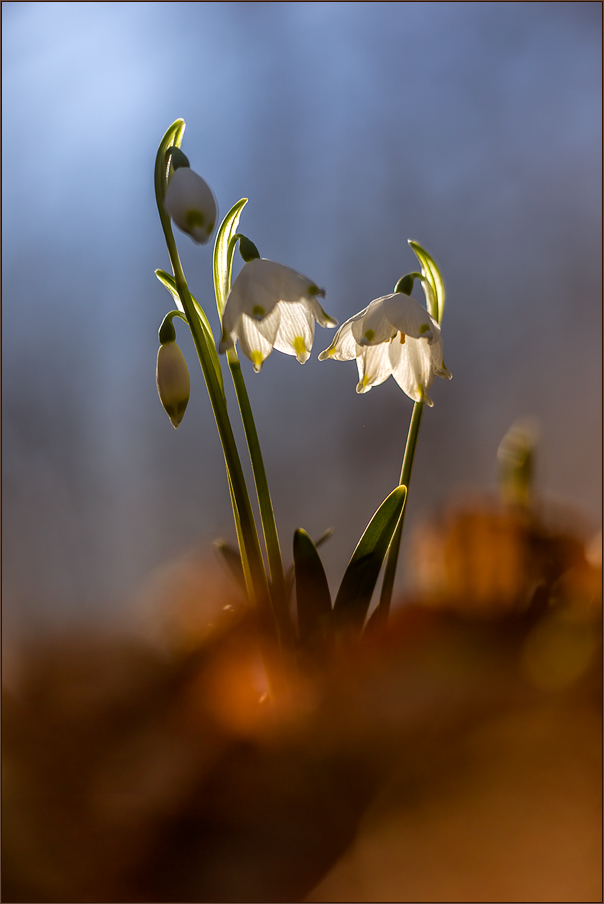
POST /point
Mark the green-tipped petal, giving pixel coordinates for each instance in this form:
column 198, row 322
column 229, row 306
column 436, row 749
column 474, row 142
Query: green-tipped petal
column 435, row 294
column 267, row 293
column 191, row 204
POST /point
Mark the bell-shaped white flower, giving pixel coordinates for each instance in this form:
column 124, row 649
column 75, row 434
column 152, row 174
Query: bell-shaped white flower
column 173, row 381
column 271, row 306
column 191, row 204
column 395, row 336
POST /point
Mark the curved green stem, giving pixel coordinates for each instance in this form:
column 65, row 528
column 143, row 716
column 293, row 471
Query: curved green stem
column 226, row 243
column 392, row 560
column 267, row 515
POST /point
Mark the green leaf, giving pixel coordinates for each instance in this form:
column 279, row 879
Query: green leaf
column 224, row 249
column 354, row 596
column 172, row 138
column 313, row 600
column 289, row 574
column 170, row 283
column 434, row 279
column 232, row 559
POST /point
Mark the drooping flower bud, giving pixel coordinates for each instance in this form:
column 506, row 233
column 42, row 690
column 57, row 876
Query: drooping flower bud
column 173, row 381
column 191, row 204
column 516, row 456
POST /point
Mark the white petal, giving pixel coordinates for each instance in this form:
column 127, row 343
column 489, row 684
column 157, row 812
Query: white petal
column 257, row 338
column 408, row 316
column 250, row 294
column 296, row 330
column 344, row 346
column 412, row 367
column 318, row 312
column 438, row 366
column 282, row 282
column 374, row 366
column 191, row 204
column 374, row 327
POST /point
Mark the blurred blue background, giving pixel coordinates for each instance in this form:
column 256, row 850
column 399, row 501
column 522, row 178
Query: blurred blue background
column 473, row 128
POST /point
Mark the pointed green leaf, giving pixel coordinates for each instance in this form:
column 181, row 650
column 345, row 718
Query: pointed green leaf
column 223, row 254
column 434, row 279
column 354, row 596
column 289, row 574
column 170, row 284
column 313, row 599
column 232, row 559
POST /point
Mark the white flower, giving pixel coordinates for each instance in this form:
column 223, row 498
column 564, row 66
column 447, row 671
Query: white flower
column 271, row 306
column 191, row 204
column 173, row 381
column 393, row 335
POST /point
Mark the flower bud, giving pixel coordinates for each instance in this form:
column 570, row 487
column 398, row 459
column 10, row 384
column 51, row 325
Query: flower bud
column 191, row 204
column 173, row 381
column 516, row 456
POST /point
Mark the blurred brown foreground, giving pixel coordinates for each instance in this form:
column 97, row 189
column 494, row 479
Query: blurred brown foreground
column 455, row 757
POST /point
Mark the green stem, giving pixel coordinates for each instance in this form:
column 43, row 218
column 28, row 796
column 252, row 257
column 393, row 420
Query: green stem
column 223, row 265
column 392, row 560
column 252, row 557
column 244, row 520
column 267, row 515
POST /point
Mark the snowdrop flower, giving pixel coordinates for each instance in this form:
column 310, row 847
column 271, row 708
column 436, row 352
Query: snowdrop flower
column 271, row 306
column 190, row 202
column 173, row 381
column 395, row 336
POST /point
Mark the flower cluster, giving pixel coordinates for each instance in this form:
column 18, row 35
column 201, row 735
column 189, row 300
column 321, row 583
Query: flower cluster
column 272, row 306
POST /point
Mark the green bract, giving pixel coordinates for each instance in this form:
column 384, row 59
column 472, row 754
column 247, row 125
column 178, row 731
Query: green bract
column 224, row 249
column 434, row 286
